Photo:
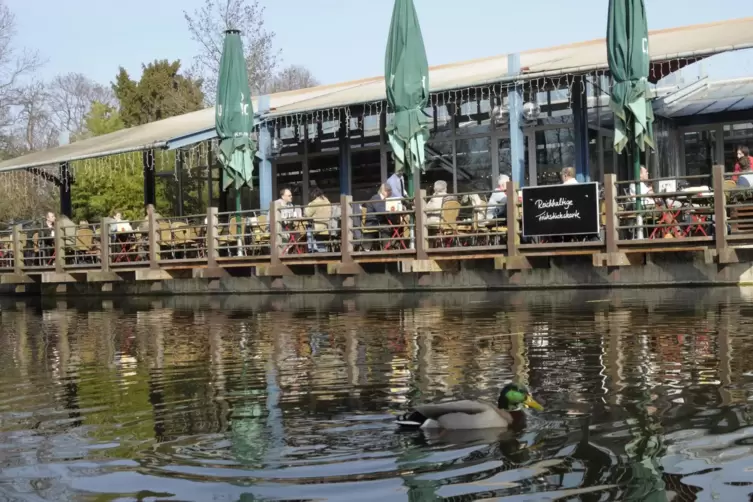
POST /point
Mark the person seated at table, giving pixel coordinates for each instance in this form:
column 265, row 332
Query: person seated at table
column 567, row 175
column 645, row 188
column 378, row 204
column 320, row 212
column 496, row 208
column 47, row 236
column 744, row 162
column 434, row 206
column 284, row 204
column 119, row 224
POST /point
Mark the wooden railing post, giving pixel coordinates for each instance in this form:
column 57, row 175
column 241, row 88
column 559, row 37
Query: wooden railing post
column 610, row 205
column 512, row 220
column 153, row 232
column 720, row 209
column 212, row 243
column 274, row 234
column 104, row 245
column 420, row 228
column 59, row 248
column 346, row 228
column 18, row 252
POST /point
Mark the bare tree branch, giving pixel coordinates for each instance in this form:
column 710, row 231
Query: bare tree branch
column 71, row 97
column 291, row 78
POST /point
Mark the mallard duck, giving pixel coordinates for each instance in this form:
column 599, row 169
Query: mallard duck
column 459, row 415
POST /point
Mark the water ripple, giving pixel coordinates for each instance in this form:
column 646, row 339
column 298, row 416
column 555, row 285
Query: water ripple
column 648, row 394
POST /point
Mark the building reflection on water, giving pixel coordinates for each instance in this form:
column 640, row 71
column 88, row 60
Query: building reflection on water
column 269, row 378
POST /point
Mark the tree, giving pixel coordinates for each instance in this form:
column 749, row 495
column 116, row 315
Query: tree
column 109, row 186
column 293, row 77
column 207, row 26
column 34, row 127
column 102, row 118
column 15, row 64
column 71, row 97
column 161, row 92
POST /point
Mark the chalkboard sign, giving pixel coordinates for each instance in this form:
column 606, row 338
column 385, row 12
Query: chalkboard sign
column 561, row 210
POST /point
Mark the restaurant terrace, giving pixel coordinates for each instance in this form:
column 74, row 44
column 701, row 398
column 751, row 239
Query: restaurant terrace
column 333, row 138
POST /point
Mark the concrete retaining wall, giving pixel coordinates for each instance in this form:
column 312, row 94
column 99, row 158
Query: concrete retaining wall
column 659, row 270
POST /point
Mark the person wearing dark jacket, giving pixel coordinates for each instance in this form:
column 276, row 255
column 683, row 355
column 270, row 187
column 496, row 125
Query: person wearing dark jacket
column 377, row 204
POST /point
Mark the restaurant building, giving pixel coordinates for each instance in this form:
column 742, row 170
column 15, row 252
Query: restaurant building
column 333, row 136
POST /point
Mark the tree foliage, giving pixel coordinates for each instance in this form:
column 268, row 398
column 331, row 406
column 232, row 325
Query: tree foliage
column 160, row 93
column 116, row 183
column 207, row 25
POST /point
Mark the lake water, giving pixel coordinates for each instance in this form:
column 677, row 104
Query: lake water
column 648, row 396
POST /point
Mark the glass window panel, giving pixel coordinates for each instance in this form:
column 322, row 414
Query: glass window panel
column 505, row 157
column 364, row 132
column 734, row 136
column 324, row 172
column 555, row 149
column 287, row 132
column 474, row 165
column 471, row 120
column 366, row 174
column 290, row 175
column 699, row 152
column 438, row 165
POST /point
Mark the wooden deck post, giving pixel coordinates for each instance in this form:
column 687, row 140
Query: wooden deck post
column 610, row 205
column 720, row 217
column 152, row 224
column 18, row 251
column 212, row 244
column 420, row 228
column 104, row 245
column 348, row 265
column 276, row 267
column 513, row 239
column 59, row 248
column 274, row 234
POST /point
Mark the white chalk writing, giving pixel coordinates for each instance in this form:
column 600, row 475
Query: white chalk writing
column 567, row 215
column 553, row 203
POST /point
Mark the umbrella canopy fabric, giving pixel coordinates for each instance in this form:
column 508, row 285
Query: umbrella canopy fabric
column 406, row 76
column 234, row 114
column 628, row 57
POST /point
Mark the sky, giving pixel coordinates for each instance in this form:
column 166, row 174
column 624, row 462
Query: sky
column 338, row 40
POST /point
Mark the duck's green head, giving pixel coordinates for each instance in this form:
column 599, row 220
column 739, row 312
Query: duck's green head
column 514, row 396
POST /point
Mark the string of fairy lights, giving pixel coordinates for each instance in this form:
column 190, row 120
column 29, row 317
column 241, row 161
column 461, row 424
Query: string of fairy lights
column 464, row 104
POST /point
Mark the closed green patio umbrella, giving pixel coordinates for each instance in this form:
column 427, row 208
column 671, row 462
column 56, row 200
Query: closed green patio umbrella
column 628, row 56
column 406, row 76
column 234, row 117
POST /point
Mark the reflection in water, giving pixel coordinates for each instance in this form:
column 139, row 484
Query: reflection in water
column 647, row 397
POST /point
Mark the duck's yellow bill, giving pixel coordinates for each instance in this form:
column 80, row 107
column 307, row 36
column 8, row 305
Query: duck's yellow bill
column 531, row 403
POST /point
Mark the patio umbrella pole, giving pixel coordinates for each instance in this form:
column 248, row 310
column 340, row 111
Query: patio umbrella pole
column 239, row 226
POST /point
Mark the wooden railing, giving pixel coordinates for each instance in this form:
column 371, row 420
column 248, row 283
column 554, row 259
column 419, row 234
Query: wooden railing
column 717, row 221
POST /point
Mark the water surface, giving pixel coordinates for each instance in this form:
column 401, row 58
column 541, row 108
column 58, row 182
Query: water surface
column 648, row 395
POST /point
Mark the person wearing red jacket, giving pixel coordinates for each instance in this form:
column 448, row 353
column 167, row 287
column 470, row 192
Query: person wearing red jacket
column 744, row 161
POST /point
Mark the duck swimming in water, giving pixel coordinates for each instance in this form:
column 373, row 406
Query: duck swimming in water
column 465, row 415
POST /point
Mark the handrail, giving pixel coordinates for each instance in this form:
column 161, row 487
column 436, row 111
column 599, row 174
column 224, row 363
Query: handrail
column 350, row 232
